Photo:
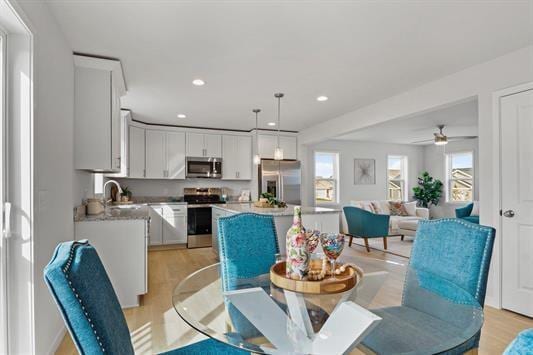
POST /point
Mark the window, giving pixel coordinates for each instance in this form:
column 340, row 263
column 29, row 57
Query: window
column 460, row 177
column 396, row 178
column 326, row 177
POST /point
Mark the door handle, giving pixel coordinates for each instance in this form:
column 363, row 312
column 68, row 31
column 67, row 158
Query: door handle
column 509, row 214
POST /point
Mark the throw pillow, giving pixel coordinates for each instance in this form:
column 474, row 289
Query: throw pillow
column 410, row 207
column 397, row 208
column 377, row 208
column 367, row 206
column 475, row 209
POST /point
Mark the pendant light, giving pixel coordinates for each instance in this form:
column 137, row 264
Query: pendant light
column 257, row 158
column 278, row 153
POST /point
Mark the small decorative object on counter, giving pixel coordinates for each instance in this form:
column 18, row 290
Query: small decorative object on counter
column 297, row 252
column 125, row 196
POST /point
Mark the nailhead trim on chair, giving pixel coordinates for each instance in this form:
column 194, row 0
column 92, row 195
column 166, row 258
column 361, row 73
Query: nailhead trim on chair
column 66, row 269
column 471, row 226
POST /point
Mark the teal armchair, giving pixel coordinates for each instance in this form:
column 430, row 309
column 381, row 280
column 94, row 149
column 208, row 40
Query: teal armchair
column 365, row 224
column 522, row 345
column 466, row 213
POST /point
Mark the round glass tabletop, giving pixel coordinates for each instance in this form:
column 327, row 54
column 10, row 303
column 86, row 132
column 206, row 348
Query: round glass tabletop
column 395, row 309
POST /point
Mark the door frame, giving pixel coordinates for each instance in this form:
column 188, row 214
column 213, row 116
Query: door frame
column 497, row 182
column 3, row 242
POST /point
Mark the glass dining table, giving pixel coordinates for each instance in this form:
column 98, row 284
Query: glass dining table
column 393, row 309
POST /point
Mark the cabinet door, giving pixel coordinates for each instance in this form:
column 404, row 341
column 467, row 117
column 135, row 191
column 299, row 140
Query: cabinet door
column 243, row 157
column 156, row 225
column 213, row 145
column 229, row 158
column 136, row 154
column 289, row 146
column 116, row 131
column 175, row 155
column 195, row 145
column 174, row 228
column 156, row 166
column 267, row 145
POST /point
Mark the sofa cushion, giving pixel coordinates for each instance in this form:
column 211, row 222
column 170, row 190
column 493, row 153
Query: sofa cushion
column 410, row 207
column 408, row 224
column 475, row 209
column 393, row 221
column 397, row 208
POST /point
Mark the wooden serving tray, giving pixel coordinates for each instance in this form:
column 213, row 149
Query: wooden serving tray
column 341, row 283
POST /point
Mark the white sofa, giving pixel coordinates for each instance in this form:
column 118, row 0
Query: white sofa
column 398, row 225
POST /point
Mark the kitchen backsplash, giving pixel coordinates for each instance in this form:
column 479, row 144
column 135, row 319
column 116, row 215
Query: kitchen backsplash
column 145, row 187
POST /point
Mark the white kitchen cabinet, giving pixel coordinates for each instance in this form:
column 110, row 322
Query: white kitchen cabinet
column 268, row 143
column 122, row 246
column 125, row 117
column 155, row 154
column 237, row 157
column 136, row 152
column 175, row 144
column 156, row 225
column 98, row 86
column 204, row 145
column 168, row 225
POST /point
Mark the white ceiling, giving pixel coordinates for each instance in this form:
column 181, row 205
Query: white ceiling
column 459, row 120
column 355, row 52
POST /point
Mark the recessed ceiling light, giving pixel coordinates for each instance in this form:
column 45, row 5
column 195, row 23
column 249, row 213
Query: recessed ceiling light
column 198, row 82
column 322, row 98
column 182, row 115
column 271, row 123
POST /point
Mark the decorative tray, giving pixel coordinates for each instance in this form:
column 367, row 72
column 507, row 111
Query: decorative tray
column 342, row 282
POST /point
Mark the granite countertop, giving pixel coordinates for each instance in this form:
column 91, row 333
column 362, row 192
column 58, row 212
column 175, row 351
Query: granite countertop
column 287, row 211
column 117, row 213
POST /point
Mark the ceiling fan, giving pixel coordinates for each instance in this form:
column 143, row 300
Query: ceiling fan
column 442, row 139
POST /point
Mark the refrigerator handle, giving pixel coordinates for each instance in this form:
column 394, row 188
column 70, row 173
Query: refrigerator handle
column 280, row 186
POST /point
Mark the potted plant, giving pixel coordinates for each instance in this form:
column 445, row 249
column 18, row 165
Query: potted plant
column 429, row 190
column 125, row 196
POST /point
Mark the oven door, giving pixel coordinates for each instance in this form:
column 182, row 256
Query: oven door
column 204, row 168
column 198, row 227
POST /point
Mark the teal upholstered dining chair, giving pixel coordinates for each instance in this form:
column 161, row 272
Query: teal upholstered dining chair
column 466, row 213
column 365, row 224
column 452, row 250
column 87, row 301
column 522, row 344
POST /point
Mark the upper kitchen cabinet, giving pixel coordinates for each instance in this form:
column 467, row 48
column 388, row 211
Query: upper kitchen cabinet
column 268, row 142
column 204, row 145
column 237, row 157
column 136, row 152
column 165, row 154
column 98, row 130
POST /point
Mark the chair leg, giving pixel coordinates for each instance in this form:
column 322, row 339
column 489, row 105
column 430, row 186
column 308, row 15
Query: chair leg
column 385, row 243
column 471, row 352
column 402, row 236
column 366, row 245
column 351, row 240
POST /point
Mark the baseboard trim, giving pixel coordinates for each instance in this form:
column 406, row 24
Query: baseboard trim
column 57, row 340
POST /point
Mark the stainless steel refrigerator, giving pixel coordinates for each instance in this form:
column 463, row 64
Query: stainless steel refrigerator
column 281, row 178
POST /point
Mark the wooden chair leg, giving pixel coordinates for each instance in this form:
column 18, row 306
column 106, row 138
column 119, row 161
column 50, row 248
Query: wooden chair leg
column 402, row 236
column 366, row 245
column 351, row 240
column 385, row 243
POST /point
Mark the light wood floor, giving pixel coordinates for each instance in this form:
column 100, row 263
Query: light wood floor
column 155, row 326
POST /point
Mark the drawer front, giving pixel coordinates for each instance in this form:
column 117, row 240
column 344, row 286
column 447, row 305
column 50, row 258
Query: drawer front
column 174, row 209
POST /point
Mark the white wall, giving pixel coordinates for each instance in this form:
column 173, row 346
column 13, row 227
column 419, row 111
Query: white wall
column 435, row 164
column 53, row 85
column 479, row 81
column 148, row 187
column 350, row 150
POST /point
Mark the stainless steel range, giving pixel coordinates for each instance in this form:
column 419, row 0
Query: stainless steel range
column 199, row 201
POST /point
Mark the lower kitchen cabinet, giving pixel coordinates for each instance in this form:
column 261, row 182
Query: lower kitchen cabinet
column 122, row 246
column 168, row 224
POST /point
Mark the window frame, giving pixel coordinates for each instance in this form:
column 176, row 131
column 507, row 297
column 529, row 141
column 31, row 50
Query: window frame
column 336, row 179
column 447, row 171
column 404, row 173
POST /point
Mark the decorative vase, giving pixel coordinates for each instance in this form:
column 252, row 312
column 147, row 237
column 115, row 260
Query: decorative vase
column 297, row 253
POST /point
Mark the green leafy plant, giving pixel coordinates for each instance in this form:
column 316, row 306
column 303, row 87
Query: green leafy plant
column 272, row 201
column 126, row 192
column 429, row 190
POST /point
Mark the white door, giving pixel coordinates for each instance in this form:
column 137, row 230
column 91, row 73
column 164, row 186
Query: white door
column 156, row 225
column 156, row 166
column 213, row 145
column 176, row 155
column 195, row 145
column 517, row 202
column 174, row 228
column 229, row 159
column 244, row 158
column 136, row 155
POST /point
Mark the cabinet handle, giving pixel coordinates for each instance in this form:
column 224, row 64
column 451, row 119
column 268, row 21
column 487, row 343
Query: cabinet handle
column 144, row 172
column 118, row 162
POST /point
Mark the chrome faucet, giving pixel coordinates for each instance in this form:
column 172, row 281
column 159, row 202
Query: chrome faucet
column 116, row 184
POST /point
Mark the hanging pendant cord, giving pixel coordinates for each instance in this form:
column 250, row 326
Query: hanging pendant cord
column 279, row 121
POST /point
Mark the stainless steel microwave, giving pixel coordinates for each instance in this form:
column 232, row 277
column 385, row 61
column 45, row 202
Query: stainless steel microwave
column 210, row 168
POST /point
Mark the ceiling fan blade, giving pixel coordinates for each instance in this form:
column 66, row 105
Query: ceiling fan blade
column 457, row 138
column 424, row 141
